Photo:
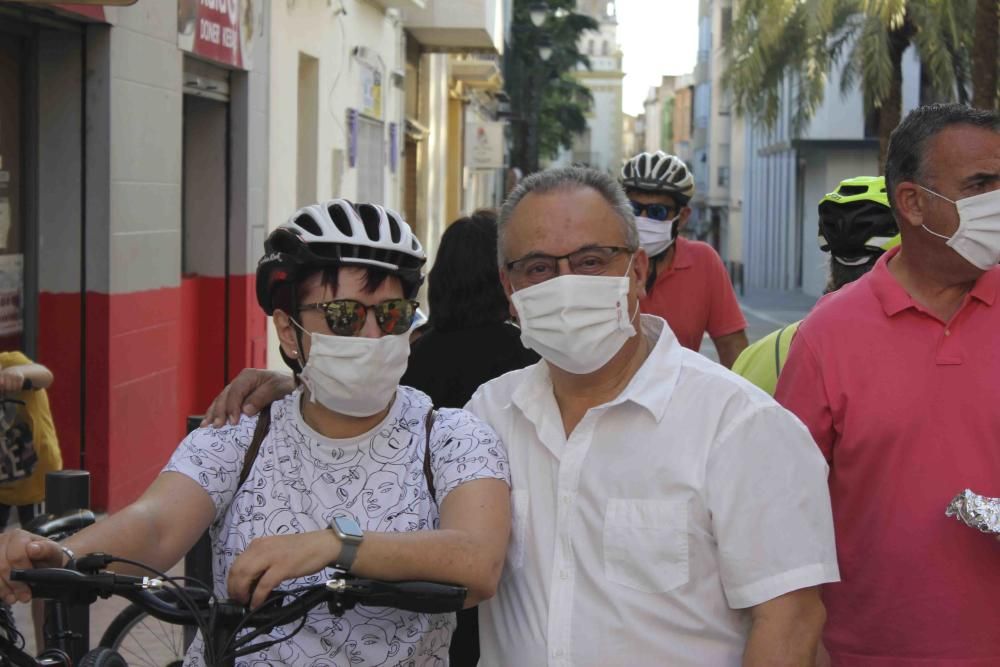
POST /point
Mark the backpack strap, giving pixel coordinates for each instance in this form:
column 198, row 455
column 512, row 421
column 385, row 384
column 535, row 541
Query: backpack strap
column 259, row 433
column 431, row 416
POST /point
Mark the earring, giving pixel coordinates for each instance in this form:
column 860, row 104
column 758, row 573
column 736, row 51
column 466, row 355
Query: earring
column 295, row 353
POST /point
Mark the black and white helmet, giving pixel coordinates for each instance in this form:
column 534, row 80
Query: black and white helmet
column 659, row 172
column 339, row 233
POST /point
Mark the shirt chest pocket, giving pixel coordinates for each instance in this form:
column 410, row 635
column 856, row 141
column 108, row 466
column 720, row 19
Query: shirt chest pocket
column 646, row 544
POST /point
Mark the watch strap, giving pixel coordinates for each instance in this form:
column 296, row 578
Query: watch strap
column 345, row 559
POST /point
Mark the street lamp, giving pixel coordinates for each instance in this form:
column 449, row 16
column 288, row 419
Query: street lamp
column 538, row 12
column 545, row 48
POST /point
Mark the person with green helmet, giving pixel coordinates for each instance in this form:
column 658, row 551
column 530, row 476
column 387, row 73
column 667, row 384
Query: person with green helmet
column 855, row 226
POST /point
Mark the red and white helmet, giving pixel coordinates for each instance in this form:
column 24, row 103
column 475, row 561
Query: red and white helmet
column 659, row 172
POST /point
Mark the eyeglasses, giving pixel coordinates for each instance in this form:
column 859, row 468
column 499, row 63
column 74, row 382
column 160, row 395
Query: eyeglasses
column 346, row 317
column 590, row 261
column 659, row 212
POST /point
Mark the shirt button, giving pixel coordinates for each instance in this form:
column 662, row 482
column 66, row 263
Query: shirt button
column 947, row 332
column 560, row 653
column 565, row 498
column 564, row 574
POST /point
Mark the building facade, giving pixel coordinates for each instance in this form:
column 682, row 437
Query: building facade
column 600, row 145
column 134, row 201
column 785, row 175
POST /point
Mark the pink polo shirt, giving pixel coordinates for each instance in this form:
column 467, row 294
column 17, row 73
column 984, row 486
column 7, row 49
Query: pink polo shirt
column 906, row 409
column 695, row 296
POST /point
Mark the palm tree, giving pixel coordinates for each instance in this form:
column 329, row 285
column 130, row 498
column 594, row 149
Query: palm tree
column 986, row 54
column 799, row 41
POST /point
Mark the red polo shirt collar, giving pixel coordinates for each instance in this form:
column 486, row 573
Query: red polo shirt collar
column 895, row 299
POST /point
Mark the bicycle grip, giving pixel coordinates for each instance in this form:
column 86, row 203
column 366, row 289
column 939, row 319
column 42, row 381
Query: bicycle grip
column 421, row 596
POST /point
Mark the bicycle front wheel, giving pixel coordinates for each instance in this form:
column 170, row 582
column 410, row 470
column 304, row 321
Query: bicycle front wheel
column 144, row 640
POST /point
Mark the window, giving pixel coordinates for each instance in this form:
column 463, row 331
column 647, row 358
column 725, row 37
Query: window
column 604, row 48
column 723, row 180
column 371, row 160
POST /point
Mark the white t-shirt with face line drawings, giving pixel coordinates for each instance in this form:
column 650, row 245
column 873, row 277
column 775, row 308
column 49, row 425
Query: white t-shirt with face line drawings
column 301, row 480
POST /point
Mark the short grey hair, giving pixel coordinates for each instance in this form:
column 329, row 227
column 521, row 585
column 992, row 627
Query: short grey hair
column 569, row 178
column 904, row 160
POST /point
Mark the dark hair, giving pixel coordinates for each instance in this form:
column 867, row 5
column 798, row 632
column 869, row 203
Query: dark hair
column 570, row 178
column 464, row 288
column 904, row 159
column 843, row 274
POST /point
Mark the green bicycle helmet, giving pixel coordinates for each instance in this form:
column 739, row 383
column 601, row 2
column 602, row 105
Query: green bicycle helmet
column 855, row 222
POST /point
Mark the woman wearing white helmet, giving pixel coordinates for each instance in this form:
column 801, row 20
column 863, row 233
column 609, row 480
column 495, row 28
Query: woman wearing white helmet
column 688, row 285
column 351, row 471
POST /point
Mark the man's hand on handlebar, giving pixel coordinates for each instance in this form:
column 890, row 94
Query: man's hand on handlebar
column 247, row 394
column 270, row 560
column 21, row 549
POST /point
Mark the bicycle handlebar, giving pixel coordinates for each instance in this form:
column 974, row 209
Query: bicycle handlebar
column 150, row 594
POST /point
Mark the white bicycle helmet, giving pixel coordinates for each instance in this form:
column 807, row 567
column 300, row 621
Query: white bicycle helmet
column 339, row 233
column 658, row 172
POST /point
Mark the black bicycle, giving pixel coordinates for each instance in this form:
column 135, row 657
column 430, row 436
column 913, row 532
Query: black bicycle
column 229, row 629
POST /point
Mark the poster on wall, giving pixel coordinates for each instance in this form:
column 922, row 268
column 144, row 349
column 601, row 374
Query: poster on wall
column 11, row 283
column 484, row 144
column 223, row 31
column 371, row 91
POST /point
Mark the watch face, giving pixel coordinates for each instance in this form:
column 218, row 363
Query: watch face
column 349, row 527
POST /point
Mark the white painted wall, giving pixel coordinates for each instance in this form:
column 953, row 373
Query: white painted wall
column 318, row 30
column 824, row 170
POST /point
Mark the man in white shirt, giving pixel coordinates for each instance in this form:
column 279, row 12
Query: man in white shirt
column 665, row 511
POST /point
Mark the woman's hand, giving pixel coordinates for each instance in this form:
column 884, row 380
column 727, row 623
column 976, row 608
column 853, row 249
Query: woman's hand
column 23, row 550
column 11, row 380
column 270, row 560
column 247, row 394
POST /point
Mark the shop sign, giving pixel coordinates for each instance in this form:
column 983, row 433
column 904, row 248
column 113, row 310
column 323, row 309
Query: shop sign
column 371, row 91
column 11, row 282
column 223, row 31
column 484, row 144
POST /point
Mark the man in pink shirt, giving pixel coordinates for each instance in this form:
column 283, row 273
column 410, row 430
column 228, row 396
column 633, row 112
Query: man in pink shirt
column 897, row 377
column 687, row 285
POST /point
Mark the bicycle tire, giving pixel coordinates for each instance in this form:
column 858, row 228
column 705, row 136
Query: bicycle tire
column 102, row 657
column 145, row 640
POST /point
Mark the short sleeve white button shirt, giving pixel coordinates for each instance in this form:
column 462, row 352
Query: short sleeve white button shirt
column 644, row 537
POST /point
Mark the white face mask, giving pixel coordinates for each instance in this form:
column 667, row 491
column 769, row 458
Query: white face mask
column 977, row 238
column 656, row 235
column 576, row 322
column 352, row 375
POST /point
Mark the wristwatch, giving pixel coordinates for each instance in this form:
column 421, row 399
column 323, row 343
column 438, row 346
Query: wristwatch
column 350, row 535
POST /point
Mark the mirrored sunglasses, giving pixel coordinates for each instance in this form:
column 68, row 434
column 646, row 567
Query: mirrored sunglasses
column 346, row 317
column 659, row 212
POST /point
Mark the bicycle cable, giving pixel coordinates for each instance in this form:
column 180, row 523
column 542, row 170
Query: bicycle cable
column 183, row 597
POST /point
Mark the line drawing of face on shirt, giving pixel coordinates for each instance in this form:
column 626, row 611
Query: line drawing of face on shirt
column 383, row 491
column 371, row 644
column 392, row 443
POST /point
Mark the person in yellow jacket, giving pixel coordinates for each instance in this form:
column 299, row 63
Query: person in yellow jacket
column 855, row 226
column 28, row 445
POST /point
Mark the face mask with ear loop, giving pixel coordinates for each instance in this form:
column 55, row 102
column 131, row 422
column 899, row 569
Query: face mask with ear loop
column 656, row 236
column 977, row 239
column 577, row 323
column 353, row 375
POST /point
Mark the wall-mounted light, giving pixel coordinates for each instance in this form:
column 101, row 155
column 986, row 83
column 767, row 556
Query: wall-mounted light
column 538, row 12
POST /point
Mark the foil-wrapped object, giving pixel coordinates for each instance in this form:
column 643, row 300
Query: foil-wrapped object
column 976, row 511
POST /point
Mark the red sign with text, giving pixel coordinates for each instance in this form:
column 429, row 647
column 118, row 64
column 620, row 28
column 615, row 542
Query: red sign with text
column 222, row 31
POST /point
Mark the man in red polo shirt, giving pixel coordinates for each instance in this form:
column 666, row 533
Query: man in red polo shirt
column 687, row 285
column 897, row 376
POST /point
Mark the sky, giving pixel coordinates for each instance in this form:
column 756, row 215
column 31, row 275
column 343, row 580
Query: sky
column 657, row 37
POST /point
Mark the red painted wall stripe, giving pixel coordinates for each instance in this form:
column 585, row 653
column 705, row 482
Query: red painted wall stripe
column 152, row 358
